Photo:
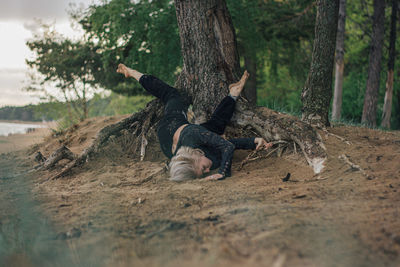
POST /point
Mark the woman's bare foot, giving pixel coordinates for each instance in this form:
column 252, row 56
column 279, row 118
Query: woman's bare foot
column 128, row 72
column 236, row 88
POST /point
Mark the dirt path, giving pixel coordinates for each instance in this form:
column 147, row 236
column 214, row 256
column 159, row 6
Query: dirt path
column 119, row 212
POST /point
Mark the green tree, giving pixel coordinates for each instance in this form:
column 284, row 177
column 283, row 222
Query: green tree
column 142, row 34
column 374, row 67
column 274, row 40
column 71, row 66
column 317, row 91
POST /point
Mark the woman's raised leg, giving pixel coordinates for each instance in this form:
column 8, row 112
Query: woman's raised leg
column 166, row 93
column 224, row 111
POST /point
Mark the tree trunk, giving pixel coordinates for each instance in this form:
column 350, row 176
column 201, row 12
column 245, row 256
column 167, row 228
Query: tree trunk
column 337, row 96
column 250, row 90
column 210, row 57
column 317, row 92
column 210, row 64
column 374, row 67
column 387, row 107
column 84, row 102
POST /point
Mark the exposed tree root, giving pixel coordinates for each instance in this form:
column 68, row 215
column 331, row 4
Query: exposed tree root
column 257, row 154
column 273, row 126
column 138, row 124
column 276, row 126
column 61, row 153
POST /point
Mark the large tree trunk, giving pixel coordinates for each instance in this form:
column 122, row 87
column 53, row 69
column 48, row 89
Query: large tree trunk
column 374, row 67
column 387, row 107
column 211, row 63
column 317, row 91
column 210, row 57
column 337, row 96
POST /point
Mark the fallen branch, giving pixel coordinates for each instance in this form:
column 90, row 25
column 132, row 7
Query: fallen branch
column 354, row 166
column 338, row 137
column 250, row 157
column 61, row 153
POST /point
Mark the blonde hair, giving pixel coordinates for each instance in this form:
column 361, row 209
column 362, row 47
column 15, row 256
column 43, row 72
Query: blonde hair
column 183, row 165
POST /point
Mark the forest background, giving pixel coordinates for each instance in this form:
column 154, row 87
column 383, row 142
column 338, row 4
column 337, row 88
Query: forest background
column 274, row 38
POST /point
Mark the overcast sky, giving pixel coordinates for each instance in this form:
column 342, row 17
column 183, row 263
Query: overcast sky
column 16, row 24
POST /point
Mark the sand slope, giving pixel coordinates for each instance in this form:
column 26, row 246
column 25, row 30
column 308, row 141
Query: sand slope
column 116, row 211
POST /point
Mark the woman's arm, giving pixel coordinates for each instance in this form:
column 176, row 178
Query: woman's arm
column 219, row 144
column 244, row 143
column 250, row 143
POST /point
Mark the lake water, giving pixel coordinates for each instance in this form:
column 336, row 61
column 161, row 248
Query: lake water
column 7, row 128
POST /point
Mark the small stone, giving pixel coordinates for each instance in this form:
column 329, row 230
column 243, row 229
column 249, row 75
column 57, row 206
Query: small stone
column 286, row 178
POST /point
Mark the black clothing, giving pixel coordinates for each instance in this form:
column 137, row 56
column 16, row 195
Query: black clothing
column 205, row 136
column 174, row 111
column 216, row 148
column 221, row 116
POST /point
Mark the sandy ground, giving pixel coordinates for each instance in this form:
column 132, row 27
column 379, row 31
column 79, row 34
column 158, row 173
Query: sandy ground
column 116, row 211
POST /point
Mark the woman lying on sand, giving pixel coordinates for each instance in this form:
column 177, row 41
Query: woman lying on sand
column 194, row 150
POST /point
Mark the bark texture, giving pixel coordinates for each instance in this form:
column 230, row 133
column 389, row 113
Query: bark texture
column 317, row 92
column 374, row 67
column 387, row 107
column 210, row 57
column 339, row 59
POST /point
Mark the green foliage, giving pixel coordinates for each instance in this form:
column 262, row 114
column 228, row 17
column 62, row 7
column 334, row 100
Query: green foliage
column 40, row 112
column 17, row 113
column 72, row 66
column 357, row 47
column 141, row 34
column 281, row 43
column 117, row 104
column 58, row 111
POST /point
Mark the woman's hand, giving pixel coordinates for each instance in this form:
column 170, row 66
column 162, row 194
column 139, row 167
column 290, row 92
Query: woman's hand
column 261, row 143
column 214, row 177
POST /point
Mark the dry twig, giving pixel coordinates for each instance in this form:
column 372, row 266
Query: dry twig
column 251, row 157
column 338, row 137
column 354, row 166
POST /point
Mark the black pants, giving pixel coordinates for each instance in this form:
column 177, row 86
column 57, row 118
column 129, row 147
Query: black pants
column 175, row 112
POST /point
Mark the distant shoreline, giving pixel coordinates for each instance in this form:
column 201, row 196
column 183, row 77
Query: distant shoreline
column 19, row 141
column 27, row 122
